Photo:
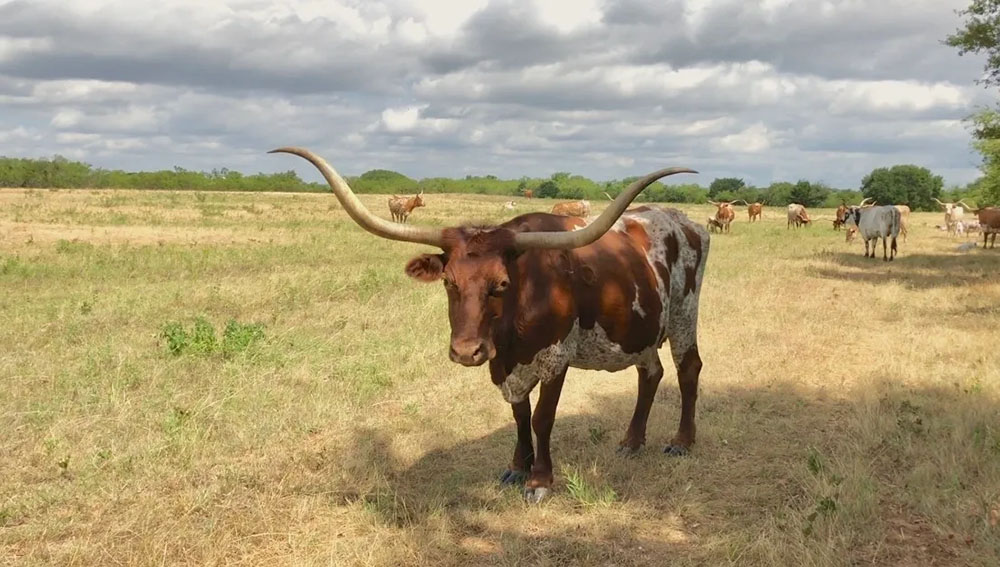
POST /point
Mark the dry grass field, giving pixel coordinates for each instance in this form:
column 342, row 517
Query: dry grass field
column 249, row 379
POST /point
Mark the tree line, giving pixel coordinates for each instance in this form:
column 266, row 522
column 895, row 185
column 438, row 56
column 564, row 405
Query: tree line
column 979, row 34
column 901, row 184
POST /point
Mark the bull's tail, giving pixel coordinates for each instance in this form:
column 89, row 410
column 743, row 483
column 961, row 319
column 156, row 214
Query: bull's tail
column 895, row 224
column 897, row 221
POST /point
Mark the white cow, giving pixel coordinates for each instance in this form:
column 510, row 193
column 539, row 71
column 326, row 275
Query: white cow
column 874, row 223
column 797, row 216
column 953, row 214
column 509, row 206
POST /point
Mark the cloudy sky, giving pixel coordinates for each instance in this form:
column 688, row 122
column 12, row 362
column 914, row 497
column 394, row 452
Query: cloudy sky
column 764, row 90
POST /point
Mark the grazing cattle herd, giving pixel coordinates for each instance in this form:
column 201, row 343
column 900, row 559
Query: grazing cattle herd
column 955, row 222
column 543, row 292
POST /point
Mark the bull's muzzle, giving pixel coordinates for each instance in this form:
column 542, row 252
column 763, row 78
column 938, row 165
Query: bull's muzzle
column 470, row 352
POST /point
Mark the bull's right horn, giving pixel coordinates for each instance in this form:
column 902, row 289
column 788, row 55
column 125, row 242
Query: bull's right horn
column 565, row 240
column 357, row 210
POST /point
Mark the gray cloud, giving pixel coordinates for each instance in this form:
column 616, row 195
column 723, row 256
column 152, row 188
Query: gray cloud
column 806, row 89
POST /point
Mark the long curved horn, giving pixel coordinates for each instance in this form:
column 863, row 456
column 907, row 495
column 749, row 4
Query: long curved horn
column 938, row 202
column 961, row 202
column 864, row 200
column 608, row 196
column 360, row 213
column 744, row 202
column 566, row 240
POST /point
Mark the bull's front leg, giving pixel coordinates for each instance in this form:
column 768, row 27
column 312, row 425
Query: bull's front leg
column 540, row 482
column 524, row 451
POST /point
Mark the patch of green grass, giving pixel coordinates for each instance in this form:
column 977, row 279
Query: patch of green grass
column 238, row 337
column 587, row 493
column 200, row 337
column 72, row 246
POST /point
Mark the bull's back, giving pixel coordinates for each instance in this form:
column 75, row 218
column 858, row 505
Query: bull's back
column 678, row 251
column 989, row 217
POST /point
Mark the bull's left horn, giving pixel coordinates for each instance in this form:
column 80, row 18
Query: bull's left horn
column 577, row 238
column 360, row 213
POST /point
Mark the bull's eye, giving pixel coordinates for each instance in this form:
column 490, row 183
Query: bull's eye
column 498, row 288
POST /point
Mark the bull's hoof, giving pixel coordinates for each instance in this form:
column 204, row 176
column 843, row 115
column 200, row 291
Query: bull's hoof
column 510, row 476
column 535, row 495
column 676, row 450
column 628, row 452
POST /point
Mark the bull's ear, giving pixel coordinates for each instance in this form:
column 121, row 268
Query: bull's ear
column 426, row 267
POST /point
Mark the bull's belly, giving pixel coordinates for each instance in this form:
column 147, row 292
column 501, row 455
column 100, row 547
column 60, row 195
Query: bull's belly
column 587, row 349
column 594, row 351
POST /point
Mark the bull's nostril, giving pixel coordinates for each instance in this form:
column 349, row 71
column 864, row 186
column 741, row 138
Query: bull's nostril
column 479, row 350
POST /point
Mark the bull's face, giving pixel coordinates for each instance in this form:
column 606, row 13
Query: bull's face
column 477, row 281
column 851, row 218
column 418, row 201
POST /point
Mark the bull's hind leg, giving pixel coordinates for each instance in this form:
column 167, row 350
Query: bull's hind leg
column 688, row 365
column 649, row 380
column 684, row 350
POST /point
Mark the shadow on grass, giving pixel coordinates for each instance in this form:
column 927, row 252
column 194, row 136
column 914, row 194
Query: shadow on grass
column 914, row 271
column 767, row 459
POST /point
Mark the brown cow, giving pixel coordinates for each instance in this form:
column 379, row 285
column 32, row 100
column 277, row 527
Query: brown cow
column 755, row 211
column 841, row 214
column 572, row 209
column 989, row 223
column 541, row 292
column 528, row 193
column 401, row 207
column 724, row 213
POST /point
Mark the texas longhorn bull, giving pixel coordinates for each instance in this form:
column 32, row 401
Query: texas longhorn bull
column 953, row 213
column 873, row 223
column 541, row 292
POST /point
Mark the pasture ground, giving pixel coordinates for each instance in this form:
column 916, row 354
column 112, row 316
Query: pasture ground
column 849, row 409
